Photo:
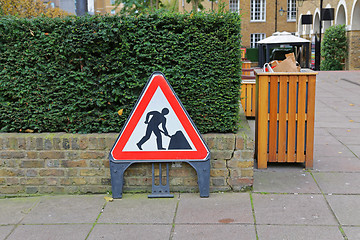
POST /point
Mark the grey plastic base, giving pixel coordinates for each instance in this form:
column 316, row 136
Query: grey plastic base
column 117, row 169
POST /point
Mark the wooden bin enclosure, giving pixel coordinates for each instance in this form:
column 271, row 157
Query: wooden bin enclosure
column 285, row 114
column 248, row 89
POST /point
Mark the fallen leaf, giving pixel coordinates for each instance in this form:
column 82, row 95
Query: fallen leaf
column 351, row 104
column 29, row 131
column 120, row 112
column 351, row 120
column 226, row 220
column 108, row 199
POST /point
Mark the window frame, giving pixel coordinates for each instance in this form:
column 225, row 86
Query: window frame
column 231, row 3
column 291, row 11
column 261, row 13
column 253, row 43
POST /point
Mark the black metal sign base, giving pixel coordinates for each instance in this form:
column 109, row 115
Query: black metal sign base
column 117, row 169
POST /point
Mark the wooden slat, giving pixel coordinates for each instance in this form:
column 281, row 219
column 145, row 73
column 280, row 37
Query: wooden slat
column 273, row 98
column 261, row 120
column 246, row 65
column 292, row 119
column 300, row 157
column 253, row 88
column 248, row 101
column 310, row 122
column 243, row 96
column 282, row 118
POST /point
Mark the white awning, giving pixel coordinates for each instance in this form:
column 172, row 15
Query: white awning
column 282, row 37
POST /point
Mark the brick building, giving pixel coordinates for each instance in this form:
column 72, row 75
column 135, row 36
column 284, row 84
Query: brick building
column 260, row 18
column 345, row 12
column 94, row 6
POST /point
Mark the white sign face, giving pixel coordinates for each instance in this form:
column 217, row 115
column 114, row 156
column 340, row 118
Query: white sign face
column 149, row 133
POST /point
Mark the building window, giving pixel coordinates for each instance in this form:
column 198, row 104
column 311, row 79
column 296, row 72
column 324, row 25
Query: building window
column 258, row 10
column 291, row 10
column 255, row 37
column 234, row 6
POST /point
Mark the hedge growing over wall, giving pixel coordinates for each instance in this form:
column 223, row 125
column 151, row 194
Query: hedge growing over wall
column 74, row 74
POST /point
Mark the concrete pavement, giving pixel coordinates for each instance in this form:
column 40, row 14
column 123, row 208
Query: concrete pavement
column 287, row 201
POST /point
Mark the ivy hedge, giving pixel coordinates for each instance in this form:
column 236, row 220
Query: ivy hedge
column 74, row 74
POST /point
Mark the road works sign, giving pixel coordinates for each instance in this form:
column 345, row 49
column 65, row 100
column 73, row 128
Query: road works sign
column 159, row 128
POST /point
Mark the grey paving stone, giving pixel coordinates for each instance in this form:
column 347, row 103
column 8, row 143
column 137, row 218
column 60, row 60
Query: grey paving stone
column 338, row 183
column 53, row 232
column 338, row 150
column 336, row 164
column 353, row 233
column 5, row 230
column 326, row 140
column 271, row 232
column 215, row 232
column 138, row 208
column 14, row 209
column 284, row 182
column 346, row 208
column 66, row 209
column 283, row 167
column 355, row 149
column 124, row 231
column 345, row 132
column 349, row 140
column 321, row 132
column 220, row 207
column 324, row 119
column 292, row 209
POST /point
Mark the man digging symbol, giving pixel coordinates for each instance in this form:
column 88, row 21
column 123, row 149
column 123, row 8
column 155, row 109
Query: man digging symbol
column 153, row 127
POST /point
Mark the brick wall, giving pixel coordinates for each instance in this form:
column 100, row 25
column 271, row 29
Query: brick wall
column 78, row 163
column 353, row 60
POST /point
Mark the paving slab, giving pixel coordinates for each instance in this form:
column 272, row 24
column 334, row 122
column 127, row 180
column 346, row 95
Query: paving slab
column 346, row 208
column 5, row 230
column 303, row 209
column 355, row 149
column 284, row 182
column 326, row 140
column 132, row 231
column 14, row 209
column 338, row 150
column 283, row 167
column 336, row 164
column 272, row 232
column 353, row 233
column 349, row 140
column 215, row 232
column 338, row 183
column 344, row 132
column 66, row 209
column 53, row 232
column 138, row 208
column 321, row 132
column 218, row 208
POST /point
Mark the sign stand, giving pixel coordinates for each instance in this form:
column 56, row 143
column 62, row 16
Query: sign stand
column 160, row 191
column 202, row 168
column 159, row 130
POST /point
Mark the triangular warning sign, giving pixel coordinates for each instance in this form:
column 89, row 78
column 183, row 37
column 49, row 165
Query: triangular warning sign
column 159, row 128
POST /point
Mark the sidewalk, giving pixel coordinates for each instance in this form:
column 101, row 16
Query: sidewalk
column 287, row 202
